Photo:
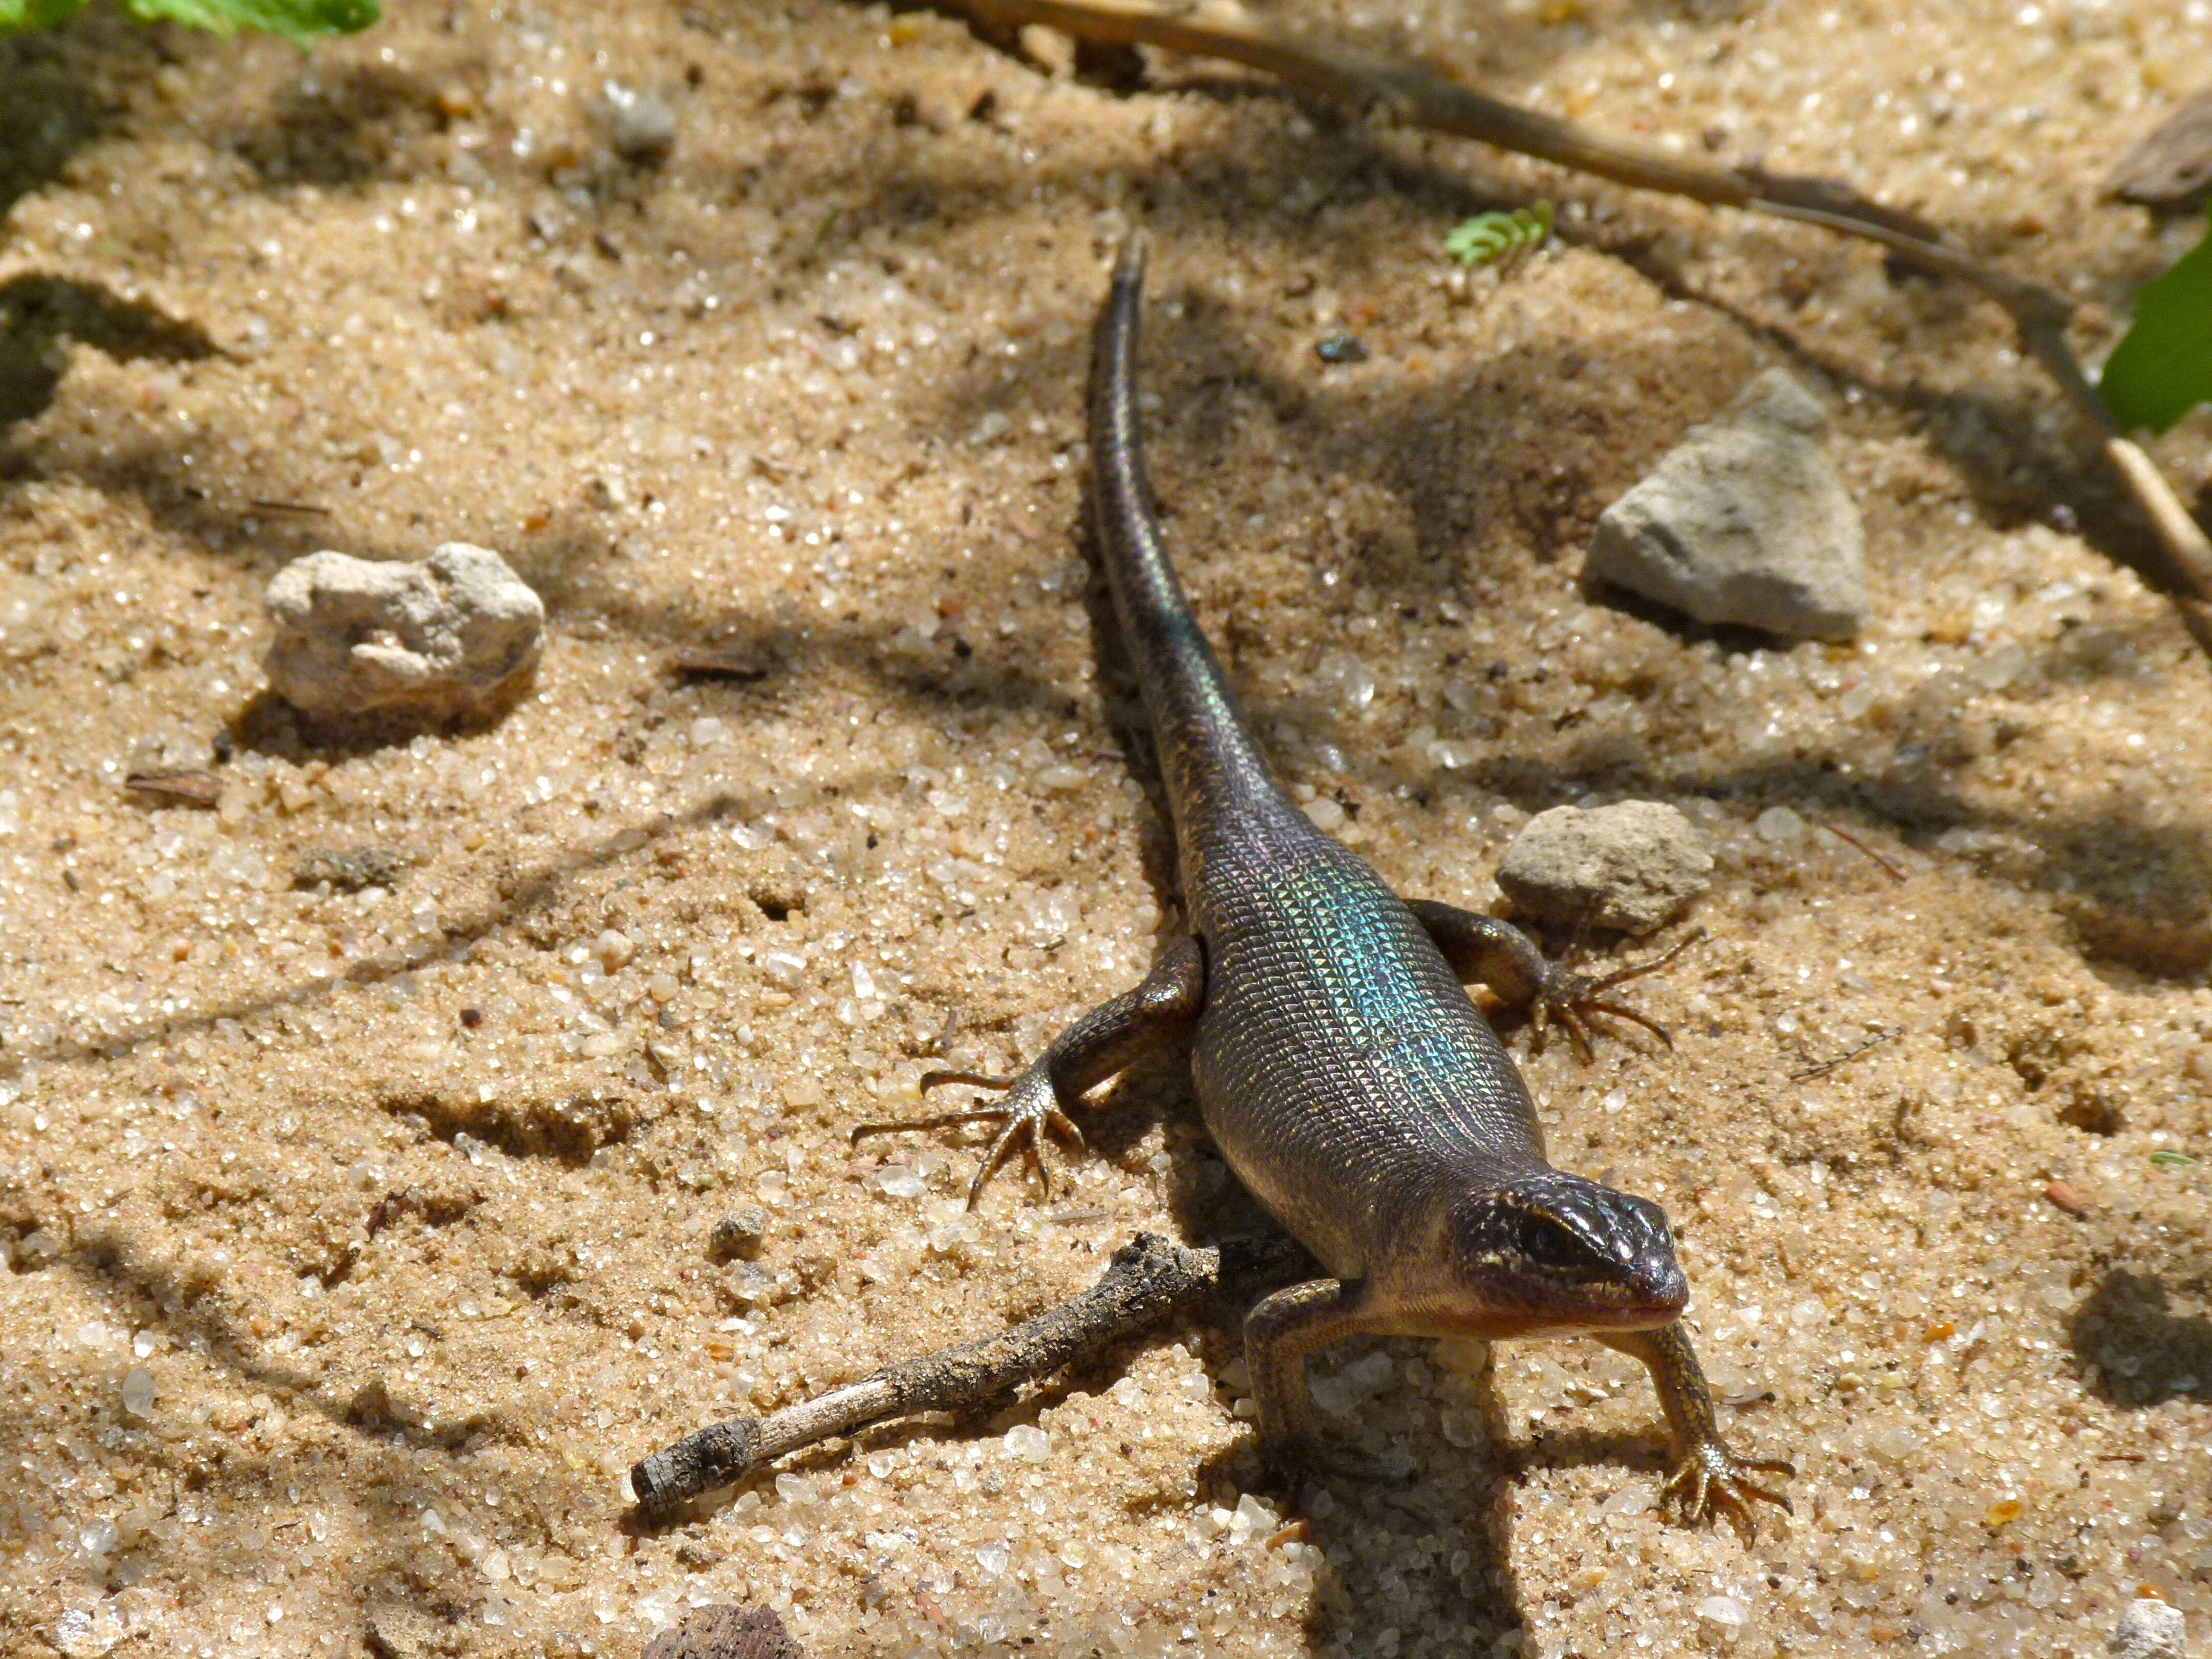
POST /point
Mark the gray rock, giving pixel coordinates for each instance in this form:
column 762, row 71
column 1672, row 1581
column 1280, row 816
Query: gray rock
column 2151, row 1630
column 1638, row 862
column 640, row 126
column 738, row 1234
column 1745, row 521
column 455, row 636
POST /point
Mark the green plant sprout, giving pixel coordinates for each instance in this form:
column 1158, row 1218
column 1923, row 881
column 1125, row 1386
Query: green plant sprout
column 2173, row 1160
column 2162, row 366
column 296, row 19
column 1489, row 237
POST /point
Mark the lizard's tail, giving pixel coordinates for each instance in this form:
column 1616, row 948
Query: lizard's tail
column 1208, row 754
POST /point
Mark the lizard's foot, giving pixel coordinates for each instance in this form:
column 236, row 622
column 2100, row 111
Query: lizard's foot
column 1570, row 998
column 1030, row 1108
column 1713, row 1481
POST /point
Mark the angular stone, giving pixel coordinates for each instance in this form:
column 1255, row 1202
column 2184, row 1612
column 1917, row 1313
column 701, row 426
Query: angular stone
column 2150, row 1629
column 1745, row 521
column 455, row 636
column 1638, row 862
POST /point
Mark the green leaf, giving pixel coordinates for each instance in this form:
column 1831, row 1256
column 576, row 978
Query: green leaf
column 296, row 19
column 2173, row 1160
column 16, row 15
column 1491, row 236
column 2162, row 366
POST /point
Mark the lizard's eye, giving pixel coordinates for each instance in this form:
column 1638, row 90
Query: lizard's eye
column 1548, row 1244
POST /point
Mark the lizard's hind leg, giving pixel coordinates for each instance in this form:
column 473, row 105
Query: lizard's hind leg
column 1104, row 1042
column 1496, row 953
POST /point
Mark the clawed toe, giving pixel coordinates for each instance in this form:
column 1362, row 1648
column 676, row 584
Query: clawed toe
column 1022, row 1122
column 1712, row 1481
column 1570, row 999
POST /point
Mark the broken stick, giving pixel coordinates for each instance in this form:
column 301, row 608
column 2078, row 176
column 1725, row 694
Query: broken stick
column 1147, row 1278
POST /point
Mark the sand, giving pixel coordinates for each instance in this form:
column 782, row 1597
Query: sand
column 357, row 1241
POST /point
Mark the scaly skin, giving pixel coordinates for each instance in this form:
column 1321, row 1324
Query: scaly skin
column 1342, row 1069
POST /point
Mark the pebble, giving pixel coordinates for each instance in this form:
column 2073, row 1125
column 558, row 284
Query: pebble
column 454, row 637
column 614, row 949
column 2172, row 167
column 738, row 1234
column 139, row 1392
column 349, row 869
column 1640, row 861
column 725, row 1632
column 2149, row 1629
column 1724, row 1611
column 640, row 127
column 1746, row 521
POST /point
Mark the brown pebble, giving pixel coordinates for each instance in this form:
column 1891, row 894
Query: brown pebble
column 2066, row 1198
column 726, row 1632
column 202, row 789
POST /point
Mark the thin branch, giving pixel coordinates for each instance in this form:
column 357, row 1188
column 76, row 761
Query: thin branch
column 1896, row 871
column 1847, row 1056
column 1419, row 97
column 1147, row 1278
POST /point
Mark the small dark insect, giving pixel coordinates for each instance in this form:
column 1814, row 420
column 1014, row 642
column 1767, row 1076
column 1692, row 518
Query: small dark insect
column 1341, row 349
column 472, row 1017
column 202, row 789
column 719, row 664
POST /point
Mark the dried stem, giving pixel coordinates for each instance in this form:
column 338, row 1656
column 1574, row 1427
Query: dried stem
column 1147, row 1277
column 1419, row 97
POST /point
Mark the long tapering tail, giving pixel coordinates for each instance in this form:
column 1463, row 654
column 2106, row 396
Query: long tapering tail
column 1208, row 754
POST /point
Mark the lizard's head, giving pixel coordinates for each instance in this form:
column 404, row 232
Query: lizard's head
column 1552, row 1252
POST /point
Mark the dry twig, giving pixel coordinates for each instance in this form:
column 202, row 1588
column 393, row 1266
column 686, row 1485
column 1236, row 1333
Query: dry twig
column 1148, row 1277
column 1415, row 96
column 1849, row 1055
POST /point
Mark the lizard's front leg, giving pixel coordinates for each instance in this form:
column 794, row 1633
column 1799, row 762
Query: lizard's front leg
column 1707, row 1477
column 1280, row 1331
column 1487, row 951
column 1104, row 1042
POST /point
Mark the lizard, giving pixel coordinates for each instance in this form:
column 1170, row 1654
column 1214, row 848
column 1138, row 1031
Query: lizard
column 1340, row 1066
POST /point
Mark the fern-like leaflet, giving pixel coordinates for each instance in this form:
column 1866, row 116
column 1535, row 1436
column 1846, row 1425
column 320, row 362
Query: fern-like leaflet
column 1489, row 237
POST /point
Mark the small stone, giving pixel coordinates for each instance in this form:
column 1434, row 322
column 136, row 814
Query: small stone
column 1745, row 521
column 2172, row 167
column 138, row 1392
column 726, row 1632
column 1725, row 1611
column 455, row 636
column 1027, row 1443
column 1638, row 862
column 349, row 869
column 1341, row 349
column 750, row 1286
column 640, row 127
column 738, row 1234
column 2149, row 1629
column 614, row 949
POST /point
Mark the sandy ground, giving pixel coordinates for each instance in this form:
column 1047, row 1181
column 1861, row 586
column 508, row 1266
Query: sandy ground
column 355, row 1242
